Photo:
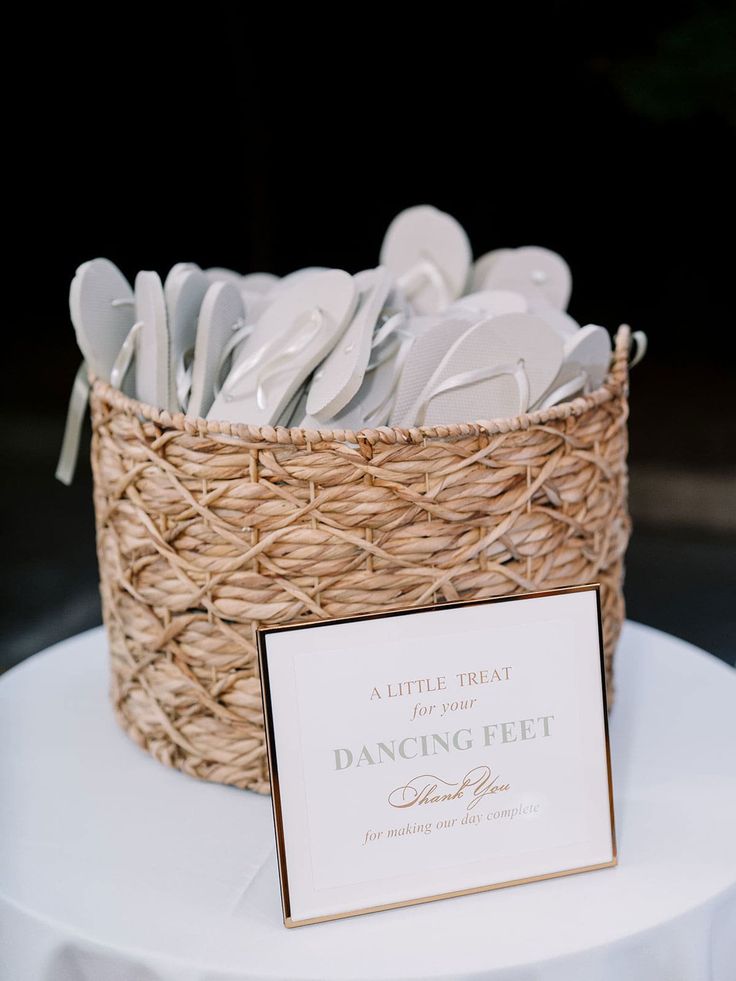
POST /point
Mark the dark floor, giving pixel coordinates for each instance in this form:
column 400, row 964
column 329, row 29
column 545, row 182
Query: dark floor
column 679, row 578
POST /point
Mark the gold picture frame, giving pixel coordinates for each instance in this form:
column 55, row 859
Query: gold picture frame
column 276, row 798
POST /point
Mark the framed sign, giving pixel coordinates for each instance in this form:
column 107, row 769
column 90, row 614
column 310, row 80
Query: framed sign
column 428, row 753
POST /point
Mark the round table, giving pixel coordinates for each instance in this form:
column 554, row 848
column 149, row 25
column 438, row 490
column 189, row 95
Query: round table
column 114, row 868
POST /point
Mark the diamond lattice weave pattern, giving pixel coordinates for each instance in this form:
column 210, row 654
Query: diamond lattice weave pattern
column 207, row 531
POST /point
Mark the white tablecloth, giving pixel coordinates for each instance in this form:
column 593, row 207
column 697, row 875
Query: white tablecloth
column 113, row 868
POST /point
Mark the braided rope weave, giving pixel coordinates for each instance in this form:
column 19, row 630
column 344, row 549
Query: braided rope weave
column 207, row 531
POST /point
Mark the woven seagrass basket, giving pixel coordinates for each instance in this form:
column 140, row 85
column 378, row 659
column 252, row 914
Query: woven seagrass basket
column 208, row 530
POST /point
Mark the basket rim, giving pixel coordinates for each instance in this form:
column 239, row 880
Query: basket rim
column 614, row 385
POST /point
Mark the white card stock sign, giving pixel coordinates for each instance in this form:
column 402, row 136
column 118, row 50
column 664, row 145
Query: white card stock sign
column 425, row 754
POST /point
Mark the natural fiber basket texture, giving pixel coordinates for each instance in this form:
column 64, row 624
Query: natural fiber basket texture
column 208, row 530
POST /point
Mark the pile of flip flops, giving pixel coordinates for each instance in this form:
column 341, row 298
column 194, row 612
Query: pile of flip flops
column 428, row 337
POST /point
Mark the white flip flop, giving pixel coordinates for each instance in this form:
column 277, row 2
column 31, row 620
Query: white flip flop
column 258, row 282
column 533, row 271
column 429, row 254
column 590, row 350
column 255, row 305
column 102, row 309
column 340, row 375
column 258, row 291
column 291, row 337
column 587, row 356
column 184, row 294
column 482, row 268
column 220, row 329
column 286, row 282
column 173, row 274
column 373, row 403
column 561, row 320
column 431, row 344
column 295, row 407
column 300, row 408
column 489, row 303
column 218, row 274
column 152, row 366
column 497, row 369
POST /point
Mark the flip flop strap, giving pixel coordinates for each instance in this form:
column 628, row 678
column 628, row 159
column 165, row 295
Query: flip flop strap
column 517, row 371
column 640, row 339
column 122, row 362
column 78, row 401
column 560, row 393
column 238, row 371
column 273, row 358
column 75, row 414
column 184, row 378
column 425, row 271
column 241, row 331
column 392, row 330
column 393, row 322
column 399, row 353
column 300, row 338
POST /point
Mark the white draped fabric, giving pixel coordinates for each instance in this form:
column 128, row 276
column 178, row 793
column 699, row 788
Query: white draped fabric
column 113, row 868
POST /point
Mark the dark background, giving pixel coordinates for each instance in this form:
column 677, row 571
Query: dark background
column 602, row 131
